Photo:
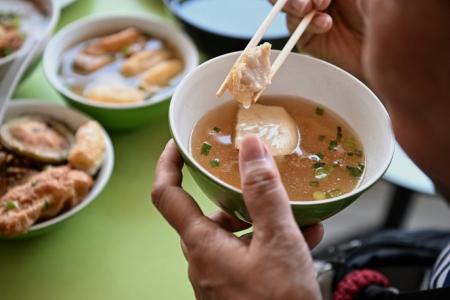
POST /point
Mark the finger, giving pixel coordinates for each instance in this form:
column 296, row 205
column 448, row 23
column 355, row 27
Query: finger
column 313, row 235
column 227, row 222
column 264, row 194
column 321, row 23
column 301, row 8
column 175, row 205
column 184, row 250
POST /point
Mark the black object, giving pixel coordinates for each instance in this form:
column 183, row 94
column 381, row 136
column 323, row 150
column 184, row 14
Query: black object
column 399, row 207
column 379, row 293
column 209, row 36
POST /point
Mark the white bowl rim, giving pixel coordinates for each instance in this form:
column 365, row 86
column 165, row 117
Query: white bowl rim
column 191, row 50
column 53, row 19
column 102, row 179
column 358, row 190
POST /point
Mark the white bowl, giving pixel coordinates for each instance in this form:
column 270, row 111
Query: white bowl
column 301, row 76
column 74, row 120
column 115, row 116
column 52, row 12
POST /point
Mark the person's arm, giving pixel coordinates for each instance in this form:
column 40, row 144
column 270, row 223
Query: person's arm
column 274, row 264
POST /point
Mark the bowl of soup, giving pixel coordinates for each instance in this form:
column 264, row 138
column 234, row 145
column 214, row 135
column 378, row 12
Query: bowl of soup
column 119, row 68
column 343, row 134
column 21, row 20
column 54, row 162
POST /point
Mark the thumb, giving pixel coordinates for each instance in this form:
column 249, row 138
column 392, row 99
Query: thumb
column 264, row 194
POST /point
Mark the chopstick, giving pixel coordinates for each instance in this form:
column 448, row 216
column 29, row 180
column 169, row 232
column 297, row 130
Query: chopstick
column 281, row 58
column 276, row 9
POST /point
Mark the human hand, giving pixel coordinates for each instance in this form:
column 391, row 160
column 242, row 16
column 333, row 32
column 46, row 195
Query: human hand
column 336, row 33
column 274, row 264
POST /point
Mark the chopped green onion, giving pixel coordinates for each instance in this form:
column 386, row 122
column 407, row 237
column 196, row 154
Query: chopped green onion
column 339, row 133
column 319, row 195
column 320, row 111
column 320, row 155
column 11, row 205
column 332, row 145
column 125, row 50
column 34, row 183
column 318, row 165
column 215, row 163
column 206, row 148
column 314, row 183
column 321, row 138
column 356, row 171
column 323, row 172
column 217, row 129
column 333, row 193
column 359, row 153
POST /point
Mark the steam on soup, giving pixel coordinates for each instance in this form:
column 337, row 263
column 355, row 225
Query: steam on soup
column 125, row 67
column 327, row 161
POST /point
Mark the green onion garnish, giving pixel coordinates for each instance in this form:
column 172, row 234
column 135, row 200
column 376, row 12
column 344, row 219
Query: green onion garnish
column 323, row 172
column 332, row 145
column 314, row 183
column 318, row 165
column 320, row 111
column 339, row 133
column 215, row 163
column 206, row 148
column 217, row 129
column 11, row 205
column 320, row 155
column 356, row 171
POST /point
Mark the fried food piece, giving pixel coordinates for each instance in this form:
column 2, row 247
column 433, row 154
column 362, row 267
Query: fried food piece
column 114, row 42
column 161, row 74
column 144, row 60
column 89, row 151
column 272, row 124
column 117, row 94
column 87, row 63
column 250, row 75
column 43, row 196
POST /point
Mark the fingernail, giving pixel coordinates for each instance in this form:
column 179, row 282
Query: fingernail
column 318, row 3
column 252, row 149
column 321, row 22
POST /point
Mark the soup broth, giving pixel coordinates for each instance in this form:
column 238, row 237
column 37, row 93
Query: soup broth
column 328, row 162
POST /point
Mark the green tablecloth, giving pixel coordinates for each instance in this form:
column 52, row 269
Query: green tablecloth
column 119, row 247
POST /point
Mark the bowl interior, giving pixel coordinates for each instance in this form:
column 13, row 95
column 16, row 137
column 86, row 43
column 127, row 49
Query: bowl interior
column 302, row 76
column 74, row 120
column 93, row 27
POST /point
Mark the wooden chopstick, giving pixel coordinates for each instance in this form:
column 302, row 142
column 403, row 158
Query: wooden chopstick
column 256, row 38
column 288, row 47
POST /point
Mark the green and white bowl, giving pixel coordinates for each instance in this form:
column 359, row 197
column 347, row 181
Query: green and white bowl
column 74, row 120
column 115, row 117
column 301, row 76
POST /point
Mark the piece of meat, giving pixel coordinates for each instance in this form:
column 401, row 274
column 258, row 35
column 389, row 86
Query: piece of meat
column 115, row 94
column 250, row 75
column 89, row 149
column 44, row 196
column 272, row 124
column 144, row 60
column 114, row 42
column 87, row 63
column 161, row 74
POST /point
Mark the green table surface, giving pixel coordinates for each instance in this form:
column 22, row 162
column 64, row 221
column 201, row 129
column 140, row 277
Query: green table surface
column 119, row 247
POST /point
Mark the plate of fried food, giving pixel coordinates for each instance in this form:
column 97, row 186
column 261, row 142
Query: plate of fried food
column 54, row 161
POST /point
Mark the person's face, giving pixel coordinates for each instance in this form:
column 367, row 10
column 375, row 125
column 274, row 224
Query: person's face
column 407, row 62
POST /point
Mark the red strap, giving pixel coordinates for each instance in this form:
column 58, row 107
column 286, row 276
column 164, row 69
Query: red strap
column 357, row 281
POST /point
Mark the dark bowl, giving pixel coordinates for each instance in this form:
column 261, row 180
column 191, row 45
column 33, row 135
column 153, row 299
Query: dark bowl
column 214, row 43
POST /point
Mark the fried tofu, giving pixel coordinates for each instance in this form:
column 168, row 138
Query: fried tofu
column 161, row 74
column 115, row 94
column 143, row 61
column 114, row 42
column 87, row 63
column 250, row 75
column 43, row 196
column 273, row 124
column 88, row 152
